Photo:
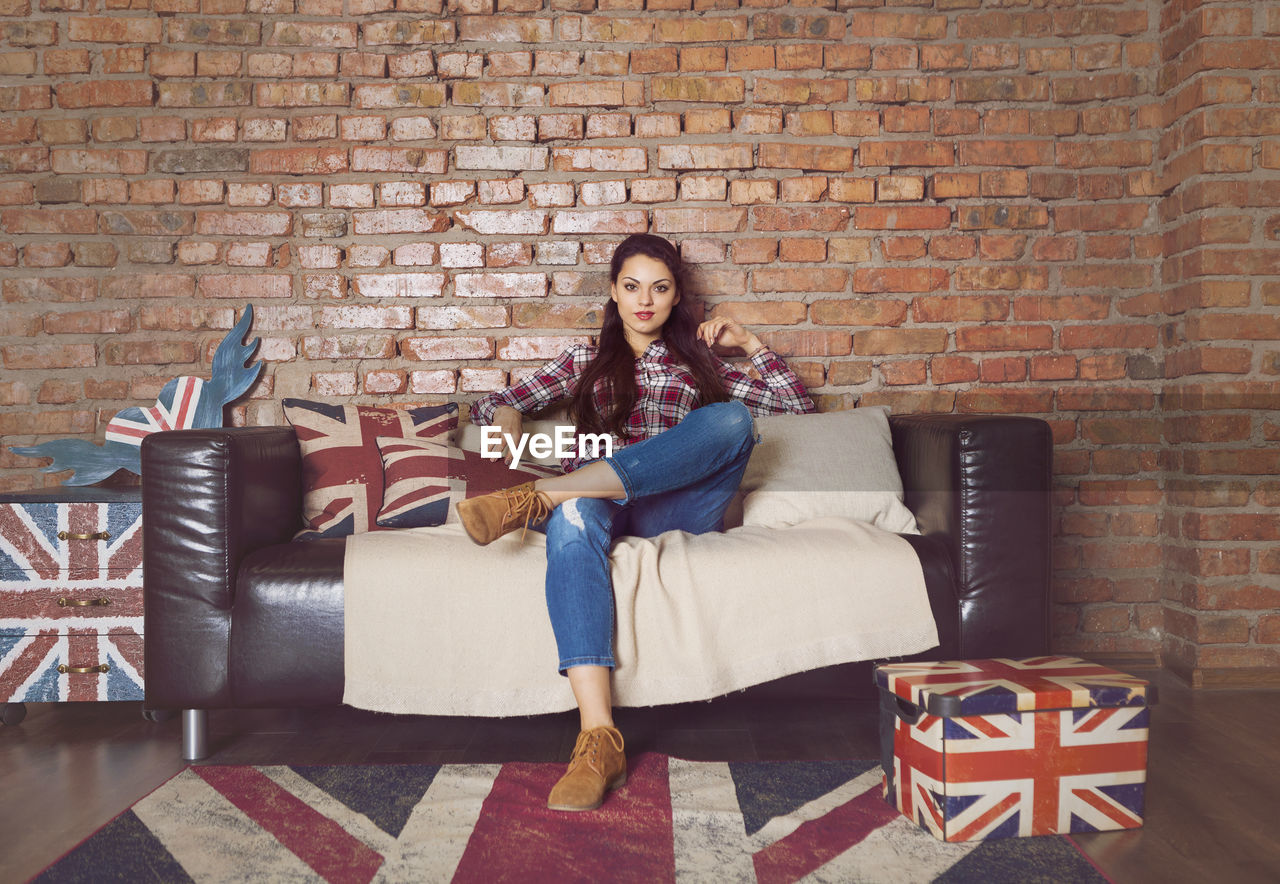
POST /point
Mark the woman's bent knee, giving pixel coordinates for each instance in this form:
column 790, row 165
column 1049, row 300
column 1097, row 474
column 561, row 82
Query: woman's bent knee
column 733, row 419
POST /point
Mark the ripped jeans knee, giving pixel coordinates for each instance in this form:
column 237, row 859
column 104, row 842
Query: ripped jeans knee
column 579, row 583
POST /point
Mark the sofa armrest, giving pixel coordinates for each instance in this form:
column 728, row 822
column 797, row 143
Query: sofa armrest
column 209, row 498
column 982, row 484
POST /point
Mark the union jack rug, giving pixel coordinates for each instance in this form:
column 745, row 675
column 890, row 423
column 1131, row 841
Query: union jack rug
column 675, row 820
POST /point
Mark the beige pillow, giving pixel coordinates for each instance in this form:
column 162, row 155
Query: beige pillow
column 839, row 463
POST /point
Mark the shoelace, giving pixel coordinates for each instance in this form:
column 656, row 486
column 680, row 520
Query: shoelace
column 527, row 503
column 589, row 743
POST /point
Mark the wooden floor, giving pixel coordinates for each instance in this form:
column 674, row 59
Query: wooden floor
column 1212, row 794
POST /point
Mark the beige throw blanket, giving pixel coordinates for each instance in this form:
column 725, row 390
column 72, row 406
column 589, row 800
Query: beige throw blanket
column 436, row 625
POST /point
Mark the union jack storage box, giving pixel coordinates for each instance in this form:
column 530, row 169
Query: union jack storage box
column 979, row 749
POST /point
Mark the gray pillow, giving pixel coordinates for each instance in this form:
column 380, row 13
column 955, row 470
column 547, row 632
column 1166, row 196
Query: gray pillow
column 839, row 463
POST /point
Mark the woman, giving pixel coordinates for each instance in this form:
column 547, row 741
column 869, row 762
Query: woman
column 681, row 423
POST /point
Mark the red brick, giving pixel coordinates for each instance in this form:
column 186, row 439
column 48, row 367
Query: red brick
column 1113, row 555
column 906, row 153
column 55, row 221
column 1101, row 217
column 333, row 384
column 536, row 347
column 392, row 221
column 542, row 315
column 1240, row 527
column 385, row 381
column 904, row 248
column 1003, row 370
column 902, row 217
column 87, row 322
column 1053, row 368
column 366, row 316
column 986, row 216
column 904, row 372
column 604, row 221
column 803, row 249
column 887, row 342
column 808, row 343
column 705, row 156
column 754, row 251
column 969, row 308
column 1208, row 428
column 700, row 30
column 1017, row 337
column 112, row 93
column 1048, row 308
column 1109, row 337
column 116, row 352
column 719, row 90
column 433, row 381
column 500, row 285
column 899, row 279
column 699, row 220
column 953, row 369
column 798, row 91
column 47, row 356
column 801, row 156
column 446, row 348
column 796, row 280
column 50, row 423
column 1004, row 401
column 1105, row 399
column 1001, row 278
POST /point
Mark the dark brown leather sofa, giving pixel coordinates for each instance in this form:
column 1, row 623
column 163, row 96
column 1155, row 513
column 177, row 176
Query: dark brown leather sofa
column 239, row 615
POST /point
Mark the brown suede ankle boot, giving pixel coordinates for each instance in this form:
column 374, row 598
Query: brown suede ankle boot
column 598, row 766
column 488, row 517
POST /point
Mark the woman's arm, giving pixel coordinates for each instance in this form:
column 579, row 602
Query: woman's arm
column 548, row 385
column 778, row 391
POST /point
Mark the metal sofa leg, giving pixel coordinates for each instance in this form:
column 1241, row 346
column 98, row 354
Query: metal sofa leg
column 195, row 734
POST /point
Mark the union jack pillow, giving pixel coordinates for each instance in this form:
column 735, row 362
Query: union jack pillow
column 341, row 465
column 425, row 478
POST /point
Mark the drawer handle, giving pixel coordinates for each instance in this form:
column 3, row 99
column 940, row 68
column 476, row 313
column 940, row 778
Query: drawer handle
column 81, row 670
column 83, row 603
column 95, row 535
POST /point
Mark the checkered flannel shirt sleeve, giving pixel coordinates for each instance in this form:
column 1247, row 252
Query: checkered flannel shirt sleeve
column 778, row 391
column 551, row 383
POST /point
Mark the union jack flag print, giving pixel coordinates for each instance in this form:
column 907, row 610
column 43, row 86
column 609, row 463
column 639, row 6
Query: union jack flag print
column 70, row 601
column 1001, row 748
column 175, row 409
column 674, row 821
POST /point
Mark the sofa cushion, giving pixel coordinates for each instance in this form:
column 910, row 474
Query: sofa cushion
column 838, row 463
column 341, row 464
column 425, row 478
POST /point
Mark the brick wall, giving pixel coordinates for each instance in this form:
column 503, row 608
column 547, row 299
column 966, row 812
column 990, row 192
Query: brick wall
column 1219, row 209
column 1068, row 210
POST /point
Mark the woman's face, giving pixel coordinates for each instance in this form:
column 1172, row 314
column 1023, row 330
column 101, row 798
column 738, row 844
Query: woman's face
column 645, row 292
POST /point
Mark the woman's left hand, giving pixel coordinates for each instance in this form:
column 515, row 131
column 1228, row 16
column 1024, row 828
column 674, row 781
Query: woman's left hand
column 727, row 333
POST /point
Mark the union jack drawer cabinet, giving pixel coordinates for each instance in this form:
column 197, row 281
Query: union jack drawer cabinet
column 1003, row 748
column 70, row 596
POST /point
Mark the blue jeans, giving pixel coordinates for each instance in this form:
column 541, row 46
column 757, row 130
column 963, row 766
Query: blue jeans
column 681, row 479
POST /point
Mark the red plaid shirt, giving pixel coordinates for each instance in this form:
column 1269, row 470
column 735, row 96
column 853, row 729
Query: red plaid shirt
column 665, row 391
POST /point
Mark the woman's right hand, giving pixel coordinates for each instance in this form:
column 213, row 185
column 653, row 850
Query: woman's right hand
column 511, row 423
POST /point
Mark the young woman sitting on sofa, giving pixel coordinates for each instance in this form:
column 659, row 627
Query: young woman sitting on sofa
column 682, row 429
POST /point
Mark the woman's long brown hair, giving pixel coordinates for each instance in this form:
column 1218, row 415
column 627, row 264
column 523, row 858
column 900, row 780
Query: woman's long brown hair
column 614, row 365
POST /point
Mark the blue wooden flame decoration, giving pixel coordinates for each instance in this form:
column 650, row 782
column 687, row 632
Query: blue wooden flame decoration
column 184, row 403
